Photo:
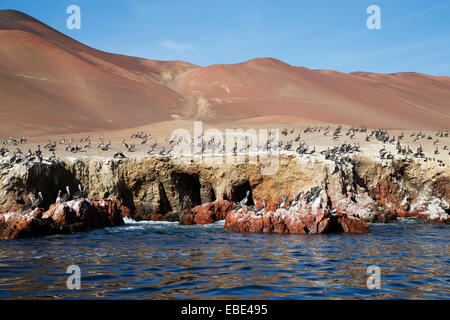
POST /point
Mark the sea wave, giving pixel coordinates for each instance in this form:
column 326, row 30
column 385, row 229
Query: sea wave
column 129, row 221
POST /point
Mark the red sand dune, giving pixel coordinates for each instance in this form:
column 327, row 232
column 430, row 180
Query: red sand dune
column 50, row 83
column 262, row 87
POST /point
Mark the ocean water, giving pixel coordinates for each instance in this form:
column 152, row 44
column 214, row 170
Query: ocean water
column 161, row 260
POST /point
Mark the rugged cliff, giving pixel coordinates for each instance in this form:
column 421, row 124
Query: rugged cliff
column 376, row 190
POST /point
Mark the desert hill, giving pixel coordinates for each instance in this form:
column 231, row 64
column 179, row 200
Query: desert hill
column 53, row 84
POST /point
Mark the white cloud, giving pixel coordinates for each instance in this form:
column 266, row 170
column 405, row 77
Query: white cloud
column 173, row 46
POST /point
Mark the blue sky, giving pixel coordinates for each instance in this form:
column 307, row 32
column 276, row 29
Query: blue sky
column 415, row 35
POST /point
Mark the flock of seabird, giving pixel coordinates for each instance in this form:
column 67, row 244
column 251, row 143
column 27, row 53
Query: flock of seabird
column 308, row 197
column 67, row 196
column 12, row 154
column 293, row 142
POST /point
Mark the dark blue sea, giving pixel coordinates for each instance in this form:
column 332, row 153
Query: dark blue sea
column 160, row 260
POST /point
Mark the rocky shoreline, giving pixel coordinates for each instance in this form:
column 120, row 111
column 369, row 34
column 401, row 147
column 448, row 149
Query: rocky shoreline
column 156, row 188
column 60, row 218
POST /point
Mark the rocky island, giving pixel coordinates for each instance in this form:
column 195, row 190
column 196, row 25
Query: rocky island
column 311, row 193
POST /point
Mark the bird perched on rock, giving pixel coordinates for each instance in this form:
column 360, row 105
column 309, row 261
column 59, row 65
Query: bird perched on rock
column 108, row 194
column 244, row 201
column 66, row 195
column 27, row 205
column 282, row 204
column 39, row 201
column 119, row 155
column 263, row 208
column 58, row 197
column 81, row 192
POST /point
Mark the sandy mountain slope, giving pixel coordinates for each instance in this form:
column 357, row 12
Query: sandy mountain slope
column 268, row 87
column 52, row 84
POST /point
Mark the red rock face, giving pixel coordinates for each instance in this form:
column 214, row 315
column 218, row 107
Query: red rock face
column 432, row 210
column 212, row 211
column 187, row 217
column 108, row 213
column 15, row 208
column 64, row 217
column 441, row 189
column 390, row 196
column 307, row 218
column 392, row 201
column 91, row 215
column 126, row 212
column 155, row 217
column 61, row 213
column 351, row 223
column 202, row 214
column 15, row 225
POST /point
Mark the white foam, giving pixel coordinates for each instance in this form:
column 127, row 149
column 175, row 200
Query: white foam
column 129, row 221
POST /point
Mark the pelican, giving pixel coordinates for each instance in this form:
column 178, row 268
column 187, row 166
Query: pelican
column 263, row 208
column 108, row 195
column 38, row 201
column 283, row 202
column 108, row 145
column 125, row 144
column 300, row 194
column 53, row 157
column 81, row 193
column 245, row 200
column 119, row 155
column 28, row 205
column 58, row 197
column 66, row 196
